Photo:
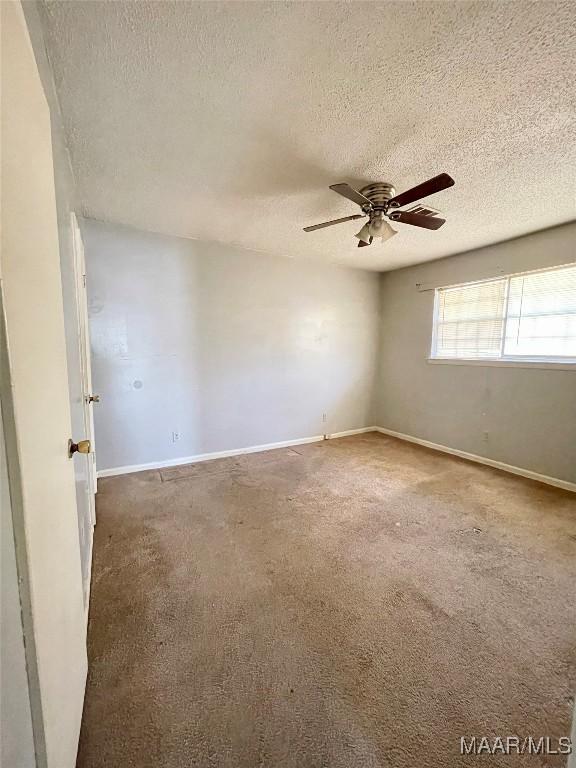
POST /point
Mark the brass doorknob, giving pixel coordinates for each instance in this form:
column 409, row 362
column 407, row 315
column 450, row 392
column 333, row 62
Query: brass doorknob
column 83, row 446
column 93, row 399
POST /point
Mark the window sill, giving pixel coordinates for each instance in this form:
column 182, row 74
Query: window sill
column 504, row 363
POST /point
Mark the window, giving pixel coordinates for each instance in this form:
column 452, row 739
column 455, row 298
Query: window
column 525, row 317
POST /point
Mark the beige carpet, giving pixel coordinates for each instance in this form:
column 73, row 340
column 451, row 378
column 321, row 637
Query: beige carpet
column 354, row 603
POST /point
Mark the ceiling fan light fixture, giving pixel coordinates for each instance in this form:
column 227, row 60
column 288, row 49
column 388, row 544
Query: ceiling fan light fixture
column 380, row 228
column 364, row 233
column 389, row 233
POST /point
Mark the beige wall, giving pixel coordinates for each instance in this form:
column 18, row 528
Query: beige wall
column 525, row 417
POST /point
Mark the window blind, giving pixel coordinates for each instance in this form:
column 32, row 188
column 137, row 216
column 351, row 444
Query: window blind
column 470, row 320
column 541, row 316
column 527, row 316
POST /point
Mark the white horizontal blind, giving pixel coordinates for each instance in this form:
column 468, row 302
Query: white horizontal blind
column 541, row 317
column 529, row 316
column 470, row 320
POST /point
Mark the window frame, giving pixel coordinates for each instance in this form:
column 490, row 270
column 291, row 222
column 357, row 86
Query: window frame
column 518, row 361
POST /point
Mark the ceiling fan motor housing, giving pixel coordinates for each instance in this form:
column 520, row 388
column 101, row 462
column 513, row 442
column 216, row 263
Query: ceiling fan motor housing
column 379, row 192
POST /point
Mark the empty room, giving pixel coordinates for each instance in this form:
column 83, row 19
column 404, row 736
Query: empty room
column 288, row 383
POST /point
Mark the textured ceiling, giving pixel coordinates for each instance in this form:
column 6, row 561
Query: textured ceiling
column 228, row 120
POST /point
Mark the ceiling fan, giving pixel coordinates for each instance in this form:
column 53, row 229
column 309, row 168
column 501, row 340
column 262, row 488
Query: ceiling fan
column 379, row 200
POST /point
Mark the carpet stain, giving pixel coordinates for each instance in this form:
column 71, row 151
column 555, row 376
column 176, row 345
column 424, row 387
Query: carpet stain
column 357, row 603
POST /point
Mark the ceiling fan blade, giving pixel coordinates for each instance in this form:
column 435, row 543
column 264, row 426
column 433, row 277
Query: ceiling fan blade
column 437, row 184
column 347, row 191
column 334, row 221
column 417, row 219
column 363, row 243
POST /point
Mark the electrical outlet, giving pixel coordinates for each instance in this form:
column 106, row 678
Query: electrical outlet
column 324, row 418
column 175, row 437
column 485, row 436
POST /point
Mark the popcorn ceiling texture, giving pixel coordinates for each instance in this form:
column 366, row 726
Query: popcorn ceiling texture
column 228, row 121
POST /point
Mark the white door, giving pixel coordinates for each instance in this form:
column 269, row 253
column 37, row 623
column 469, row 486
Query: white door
column 85, row 464
column 36, row 400
column 84, row 341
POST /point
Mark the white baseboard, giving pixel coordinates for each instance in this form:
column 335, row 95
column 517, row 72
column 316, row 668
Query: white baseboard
column 349, row 432
column 567, row 486
column 225, row 454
